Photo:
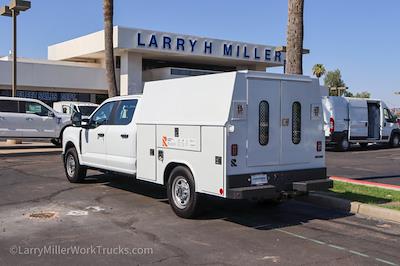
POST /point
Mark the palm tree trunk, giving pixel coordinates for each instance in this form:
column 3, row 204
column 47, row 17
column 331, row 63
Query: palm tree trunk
column 294, row 46
column 108, row 9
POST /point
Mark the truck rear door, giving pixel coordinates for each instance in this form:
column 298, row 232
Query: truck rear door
column 298, row 142
column 264, row 133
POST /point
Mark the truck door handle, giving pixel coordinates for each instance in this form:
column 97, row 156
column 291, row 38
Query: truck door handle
column 101, row 135
column 124, row 136
column 366, row 124
column 29, row 118
column 2, row 118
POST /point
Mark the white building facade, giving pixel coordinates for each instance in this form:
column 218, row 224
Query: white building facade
column 75, row 69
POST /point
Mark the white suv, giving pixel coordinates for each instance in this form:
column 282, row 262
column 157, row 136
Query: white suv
column 22, row 118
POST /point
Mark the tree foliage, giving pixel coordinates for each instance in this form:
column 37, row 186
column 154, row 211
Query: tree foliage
column 318, row 70
column 334, row 79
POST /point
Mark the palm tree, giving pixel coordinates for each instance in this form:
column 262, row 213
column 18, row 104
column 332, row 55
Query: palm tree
column 108, row 9
column 294, row 38
column 318, row 70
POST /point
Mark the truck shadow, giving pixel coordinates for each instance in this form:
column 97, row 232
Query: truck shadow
column 258, row 216
column 357, row 147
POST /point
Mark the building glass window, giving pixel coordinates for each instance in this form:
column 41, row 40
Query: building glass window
column 296, row 123
column 263, row 123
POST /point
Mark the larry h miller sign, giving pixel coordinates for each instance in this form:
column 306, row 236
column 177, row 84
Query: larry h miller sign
column 163, row 42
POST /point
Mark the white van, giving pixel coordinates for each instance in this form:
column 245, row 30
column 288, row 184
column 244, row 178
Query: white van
column 22, row 118
column 238, row 135
column 354, row 120
column 85, row 108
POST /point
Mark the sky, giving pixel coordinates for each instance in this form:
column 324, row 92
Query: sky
column 361, row 38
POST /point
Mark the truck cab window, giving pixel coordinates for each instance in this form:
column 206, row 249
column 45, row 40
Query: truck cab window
column 33, row 108
column 388, row 116
column 8, row 106
column 102, row 116
column 296, row 123
column 124, row 112
column 263, row 123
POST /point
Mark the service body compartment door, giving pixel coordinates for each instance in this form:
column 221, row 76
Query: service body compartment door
column 264, row 133
column 298, row 142
column 146, row 152
column 358, row 114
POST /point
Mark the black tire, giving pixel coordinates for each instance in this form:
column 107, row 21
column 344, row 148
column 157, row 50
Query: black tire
column 56, row 142
column 343, row 144
column 189, row 207
column 364, row 145
column 77, row 172
column 394, row 140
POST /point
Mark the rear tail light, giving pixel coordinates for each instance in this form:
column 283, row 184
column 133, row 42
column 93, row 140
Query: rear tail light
column 319, row 146
column 234, row 150
column 331, row 125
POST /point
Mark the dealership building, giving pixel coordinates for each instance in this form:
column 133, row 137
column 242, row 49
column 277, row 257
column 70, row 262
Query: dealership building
column 75, row 69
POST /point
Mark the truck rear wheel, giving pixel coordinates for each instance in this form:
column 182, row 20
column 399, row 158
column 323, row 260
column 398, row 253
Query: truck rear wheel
column 75, row 172
column 181, row 192
column 395, row 140
column 343, row 144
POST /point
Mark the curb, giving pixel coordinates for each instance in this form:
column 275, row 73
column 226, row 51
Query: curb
column 365, row 183
column 30, row 153
column 354, row 207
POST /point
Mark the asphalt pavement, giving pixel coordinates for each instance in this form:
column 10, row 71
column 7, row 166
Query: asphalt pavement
column 376, row 163
column 115, row 220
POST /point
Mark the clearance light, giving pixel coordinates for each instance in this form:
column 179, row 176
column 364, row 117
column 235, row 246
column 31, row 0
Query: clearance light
column 331, row 125
column 234, row 150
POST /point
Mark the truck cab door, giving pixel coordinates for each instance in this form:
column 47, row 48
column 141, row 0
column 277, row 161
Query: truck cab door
column 388, row 123
column 93, row 138
column 121, row 138
column 9, row 119
column 40, row 122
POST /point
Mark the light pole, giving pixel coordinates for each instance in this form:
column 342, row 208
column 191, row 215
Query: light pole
column 12, row 10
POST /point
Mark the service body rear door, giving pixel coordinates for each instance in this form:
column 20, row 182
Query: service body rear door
column 358, row 114
column 264, row 138
column 298, row 143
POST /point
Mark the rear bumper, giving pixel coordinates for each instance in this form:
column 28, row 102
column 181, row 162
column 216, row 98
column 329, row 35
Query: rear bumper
column 239, row 187
column 270, row 192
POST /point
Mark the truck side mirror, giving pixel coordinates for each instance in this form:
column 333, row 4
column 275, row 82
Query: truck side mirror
column 76, row 119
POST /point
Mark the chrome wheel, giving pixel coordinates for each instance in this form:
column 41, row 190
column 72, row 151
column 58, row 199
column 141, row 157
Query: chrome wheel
column 70, row 165
column 180, row 192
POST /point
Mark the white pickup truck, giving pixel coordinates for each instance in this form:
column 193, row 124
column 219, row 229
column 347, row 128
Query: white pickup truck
column 239, row 135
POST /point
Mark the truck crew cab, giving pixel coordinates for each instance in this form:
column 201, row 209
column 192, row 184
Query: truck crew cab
column 354, row 120
column 238, row 135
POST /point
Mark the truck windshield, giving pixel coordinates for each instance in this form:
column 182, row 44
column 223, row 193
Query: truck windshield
column 87, row 110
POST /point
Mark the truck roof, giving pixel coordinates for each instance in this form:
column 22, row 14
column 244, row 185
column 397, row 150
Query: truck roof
column 198, row 100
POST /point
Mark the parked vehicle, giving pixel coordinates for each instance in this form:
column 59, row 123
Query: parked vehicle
column 85, row 108
column 352, row 120
column 238, row 135
column 22, row 118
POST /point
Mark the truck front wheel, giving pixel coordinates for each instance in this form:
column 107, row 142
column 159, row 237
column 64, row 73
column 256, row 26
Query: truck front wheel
column 395, row 141
column 73, row 170
column 181, row 192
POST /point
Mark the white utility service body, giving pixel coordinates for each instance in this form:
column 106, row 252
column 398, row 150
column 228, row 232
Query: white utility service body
column 356, row 120
column 239, row 134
